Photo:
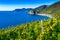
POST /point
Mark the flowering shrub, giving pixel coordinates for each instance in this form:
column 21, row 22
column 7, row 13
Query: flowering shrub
column 45, row 30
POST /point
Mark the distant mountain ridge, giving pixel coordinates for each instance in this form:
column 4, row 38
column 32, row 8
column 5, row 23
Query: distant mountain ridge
column 49, row 9
column 23, row 9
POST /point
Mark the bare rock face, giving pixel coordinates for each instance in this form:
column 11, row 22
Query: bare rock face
column 31, row 12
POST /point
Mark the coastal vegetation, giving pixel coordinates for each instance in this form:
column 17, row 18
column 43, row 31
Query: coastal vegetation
column 38, row 30
column 47, row 9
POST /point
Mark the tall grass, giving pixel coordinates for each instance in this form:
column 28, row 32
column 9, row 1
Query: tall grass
column 39, row 30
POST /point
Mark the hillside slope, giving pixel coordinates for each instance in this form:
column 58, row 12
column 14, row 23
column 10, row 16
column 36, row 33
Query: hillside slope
column 39, row 30
column 50, row 9
column 54, row 8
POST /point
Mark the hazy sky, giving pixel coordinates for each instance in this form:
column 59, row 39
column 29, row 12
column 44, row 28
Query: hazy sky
column 13, row 4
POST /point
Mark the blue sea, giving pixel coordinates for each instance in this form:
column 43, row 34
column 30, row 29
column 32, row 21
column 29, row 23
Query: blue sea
column 13, row 18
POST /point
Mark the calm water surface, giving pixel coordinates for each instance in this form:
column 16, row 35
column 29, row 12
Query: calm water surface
column 9, row 18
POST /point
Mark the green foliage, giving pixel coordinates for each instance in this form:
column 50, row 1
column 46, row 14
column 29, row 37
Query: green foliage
column 59, row 36
column 45, row 30
column 21, row 32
